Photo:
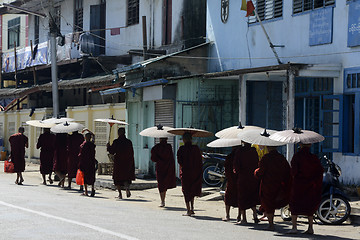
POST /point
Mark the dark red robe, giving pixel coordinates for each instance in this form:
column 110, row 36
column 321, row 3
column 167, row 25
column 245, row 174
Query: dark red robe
column 73, row 147
column 46, row 142
column 307, row 175
column 124, row 164
column 190, row 161
column 60, row 154
column 274, row 174
column 18, row 142
column 87, row 162
column 245, row 163
column 231, row 184
column 163, row 156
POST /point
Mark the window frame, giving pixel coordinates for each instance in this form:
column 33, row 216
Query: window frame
column 14, row 27
column 78, row 15
column 36, row 29
column 133, row 20
column 312, row 7
column 268, row 6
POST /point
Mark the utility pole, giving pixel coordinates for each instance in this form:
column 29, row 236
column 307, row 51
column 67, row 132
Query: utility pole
column 54, row 77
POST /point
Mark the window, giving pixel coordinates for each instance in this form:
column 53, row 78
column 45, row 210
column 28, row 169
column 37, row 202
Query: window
column 267, row 9
column 306, row 5
column 37, row 29
column 133, row 12
column 14, row 33
column 78, row 15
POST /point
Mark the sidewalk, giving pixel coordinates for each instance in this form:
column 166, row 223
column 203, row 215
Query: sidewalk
column 150, row 186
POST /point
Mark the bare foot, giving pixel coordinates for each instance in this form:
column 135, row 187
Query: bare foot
column 243, row 222
column 162, row 204
column 192, row 212
column 44, row 183
column 238, row 220
column 119, row 197
column 226, row 219
column 309, row 231
column 50, row 181
column 128, row 193
column 187, row 214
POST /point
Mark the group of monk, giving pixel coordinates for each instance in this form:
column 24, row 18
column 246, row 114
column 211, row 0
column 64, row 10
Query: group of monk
column 263, row 176
column 257, row 175
column 65, row 154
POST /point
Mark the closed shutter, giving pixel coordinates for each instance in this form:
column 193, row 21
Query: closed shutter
column 164, row 115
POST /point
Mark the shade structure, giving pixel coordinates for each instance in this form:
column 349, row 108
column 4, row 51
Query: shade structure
column 58, row 120
column 297, row 135
column 224, row 142
column 259, row 137
column 67, row 127
column 40, row 123
column 193, row 131
column 158, row 131
column 111, row 121
column 232, row 132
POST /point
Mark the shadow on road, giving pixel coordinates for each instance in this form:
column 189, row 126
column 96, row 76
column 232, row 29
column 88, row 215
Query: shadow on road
column 134, row 200
column 174, row 208
column 206, row 218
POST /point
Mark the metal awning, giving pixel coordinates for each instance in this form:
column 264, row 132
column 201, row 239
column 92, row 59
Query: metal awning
column 112, row 91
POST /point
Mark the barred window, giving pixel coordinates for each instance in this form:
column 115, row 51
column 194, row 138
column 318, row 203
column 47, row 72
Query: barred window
column 78, row 15
column 14, row 33
column 306, row 5
column 133, row 12
column 267, row 9
column 100, row 133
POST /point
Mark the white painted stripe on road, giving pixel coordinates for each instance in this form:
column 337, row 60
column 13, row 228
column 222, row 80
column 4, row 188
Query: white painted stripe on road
column 99, row 229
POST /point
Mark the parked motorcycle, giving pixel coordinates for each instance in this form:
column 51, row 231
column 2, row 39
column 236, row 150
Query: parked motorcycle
column 213, row 163
column 334, row 207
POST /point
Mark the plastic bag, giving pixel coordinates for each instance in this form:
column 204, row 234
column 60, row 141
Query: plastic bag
column 8, row 166
column 79, row 177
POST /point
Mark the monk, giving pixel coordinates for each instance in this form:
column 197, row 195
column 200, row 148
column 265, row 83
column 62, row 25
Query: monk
column 18, row 143
column 305, row 197
column 46, row 143
column 124, row 165
column 274, row 176
column 163, row 156
column 230, row 198
column 73, row 148
column 87, row 162
column 190, row 161
column 245, row 163
column 60, row 157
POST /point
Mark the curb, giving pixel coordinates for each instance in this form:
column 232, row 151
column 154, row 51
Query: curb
column 133, row 186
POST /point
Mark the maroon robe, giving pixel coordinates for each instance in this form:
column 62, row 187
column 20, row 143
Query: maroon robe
column 245, row 163
column 163, row 156
column 124, row 165
column 231, row 184
column 87, row 162
column 18, row 142
column 46, row 142
column 190, row 161
column 274, row 174
column 73, row 148
column 60, row 154
column 307, row 175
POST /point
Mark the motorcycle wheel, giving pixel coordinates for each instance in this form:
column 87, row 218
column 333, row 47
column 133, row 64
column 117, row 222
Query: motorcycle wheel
column 210, row 180
column 338, row 214
column 285, row 213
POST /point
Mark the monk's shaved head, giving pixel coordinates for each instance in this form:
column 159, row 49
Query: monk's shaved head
column 121, row 131
column 21, row 129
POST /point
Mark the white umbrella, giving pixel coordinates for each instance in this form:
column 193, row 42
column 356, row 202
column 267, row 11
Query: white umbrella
column 297, row 135
column 67, row 127
column 40, row 123
column 232, row 132
column 224, row 142
column 111, row 121
column 58, row 120
column 259, row 137
column 158, row 131
column 193, row 131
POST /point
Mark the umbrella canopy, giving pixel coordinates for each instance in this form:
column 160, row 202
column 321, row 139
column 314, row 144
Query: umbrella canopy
column 224, row 142
column 58, row 120
column 232, row 132
column 259, row 137
column 193, row 131
column 297, row 135
column 110, row 121
column 67, row 127
column 158, row 131
column 40, row 123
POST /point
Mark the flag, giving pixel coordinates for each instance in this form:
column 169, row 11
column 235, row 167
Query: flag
column 248, row 6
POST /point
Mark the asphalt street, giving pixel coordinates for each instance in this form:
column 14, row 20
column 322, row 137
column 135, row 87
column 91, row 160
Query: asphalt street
column 35, row 211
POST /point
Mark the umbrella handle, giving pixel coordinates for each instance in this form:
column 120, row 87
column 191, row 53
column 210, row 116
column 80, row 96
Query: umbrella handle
column 111, row 124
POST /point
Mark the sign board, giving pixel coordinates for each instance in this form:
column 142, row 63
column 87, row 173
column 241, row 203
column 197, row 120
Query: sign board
column 321, row 26
column 354, row 24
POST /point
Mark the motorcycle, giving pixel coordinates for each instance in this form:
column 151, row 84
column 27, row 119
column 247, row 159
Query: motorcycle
column 213, row 169
column 334, row 207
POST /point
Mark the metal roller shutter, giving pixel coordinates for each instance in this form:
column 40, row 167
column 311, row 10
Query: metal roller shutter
column 164, row 115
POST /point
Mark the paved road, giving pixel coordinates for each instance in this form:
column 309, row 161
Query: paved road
column 34, row 211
